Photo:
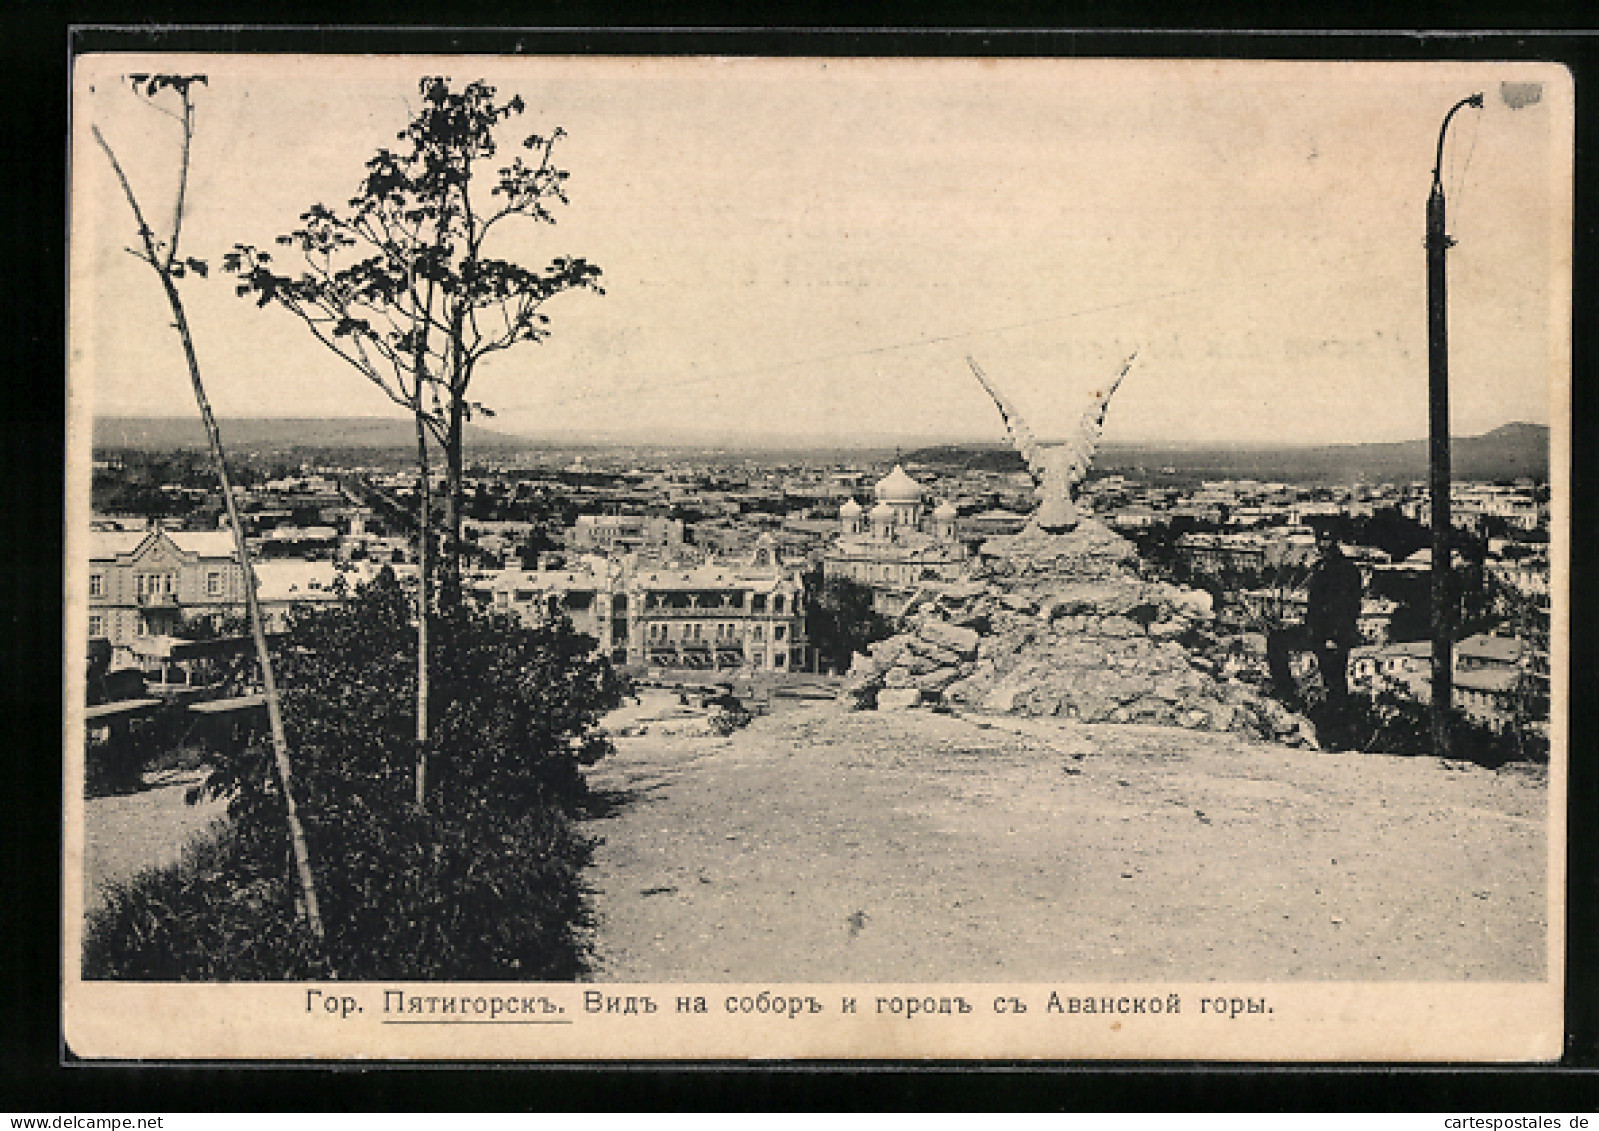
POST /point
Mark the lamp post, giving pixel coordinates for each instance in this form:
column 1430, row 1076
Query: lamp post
column 1438, row 242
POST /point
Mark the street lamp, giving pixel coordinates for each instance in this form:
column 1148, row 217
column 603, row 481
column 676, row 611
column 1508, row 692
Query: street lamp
column 1515, row 95
column 1438, row 242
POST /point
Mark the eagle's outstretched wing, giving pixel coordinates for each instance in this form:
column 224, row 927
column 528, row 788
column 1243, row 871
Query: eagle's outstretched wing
column 1092, row 426
column 1021, row 435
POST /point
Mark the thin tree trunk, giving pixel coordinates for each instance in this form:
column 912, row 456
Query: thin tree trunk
column 424, row 536
column 280, row 743
column 452, row 503
column 424, row 539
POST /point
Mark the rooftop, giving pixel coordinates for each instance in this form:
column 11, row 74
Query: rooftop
column 1505, row 649
column 1495, row 681
column 898, row 487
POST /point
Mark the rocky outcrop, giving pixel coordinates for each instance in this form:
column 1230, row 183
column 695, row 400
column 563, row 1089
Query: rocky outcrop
column 1062, row 625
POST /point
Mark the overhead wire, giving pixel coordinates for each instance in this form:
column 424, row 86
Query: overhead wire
column 1458, row 170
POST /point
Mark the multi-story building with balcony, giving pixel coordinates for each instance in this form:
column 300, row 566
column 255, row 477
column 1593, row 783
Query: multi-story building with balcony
column 720, row 616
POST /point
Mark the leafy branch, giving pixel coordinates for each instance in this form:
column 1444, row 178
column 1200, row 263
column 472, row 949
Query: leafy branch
column 401, row 284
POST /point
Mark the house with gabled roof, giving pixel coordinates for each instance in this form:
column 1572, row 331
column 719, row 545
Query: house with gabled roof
column 148, row 583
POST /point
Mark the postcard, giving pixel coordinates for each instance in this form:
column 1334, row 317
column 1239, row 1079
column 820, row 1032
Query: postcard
column 663, row 558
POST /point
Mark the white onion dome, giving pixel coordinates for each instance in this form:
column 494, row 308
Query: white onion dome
column 946, row 511
column 850, row 509
column 897, row 487
column 882, row 512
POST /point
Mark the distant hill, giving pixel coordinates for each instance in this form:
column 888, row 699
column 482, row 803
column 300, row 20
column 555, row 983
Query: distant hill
column 1508, row 452
column 967, row 457
column 267, row 434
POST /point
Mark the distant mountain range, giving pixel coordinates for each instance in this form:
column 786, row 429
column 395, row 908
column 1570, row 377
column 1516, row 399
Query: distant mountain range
column 284, row 434
column 1508, row 452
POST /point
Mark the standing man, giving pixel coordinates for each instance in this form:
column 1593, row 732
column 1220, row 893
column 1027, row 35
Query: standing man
column 1332, row 615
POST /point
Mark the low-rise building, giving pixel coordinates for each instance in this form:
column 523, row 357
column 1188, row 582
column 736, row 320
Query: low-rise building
column 1285, row 606
column 1404, row 670
column 1525, row 577
column 296, row 541
column 283, row 585
column 617, row 533
column 1376, row 619
column 1495, row 678
column 1215, row 555
column 1488, row 652
column 991, row 524
column 1488, row 696
column 1135, row 517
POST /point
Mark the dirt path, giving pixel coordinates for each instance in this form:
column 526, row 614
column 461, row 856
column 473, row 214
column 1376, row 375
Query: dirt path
column 827, row 846
column 125, row 834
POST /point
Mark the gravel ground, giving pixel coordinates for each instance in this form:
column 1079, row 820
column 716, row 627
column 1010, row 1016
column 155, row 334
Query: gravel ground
column 820, row 845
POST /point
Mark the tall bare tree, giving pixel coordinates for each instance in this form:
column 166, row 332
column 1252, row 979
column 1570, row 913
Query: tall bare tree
column 164, row 257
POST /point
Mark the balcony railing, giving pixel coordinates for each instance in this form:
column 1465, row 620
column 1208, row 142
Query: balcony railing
column 158, row 600
column 701, row 611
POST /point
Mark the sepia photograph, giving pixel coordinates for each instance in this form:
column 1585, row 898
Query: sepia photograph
column 656, row 557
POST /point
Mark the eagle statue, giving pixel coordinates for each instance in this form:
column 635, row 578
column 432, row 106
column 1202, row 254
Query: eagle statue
column 1056, row 468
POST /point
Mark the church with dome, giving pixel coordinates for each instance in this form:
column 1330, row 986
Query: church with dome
column 897, row 544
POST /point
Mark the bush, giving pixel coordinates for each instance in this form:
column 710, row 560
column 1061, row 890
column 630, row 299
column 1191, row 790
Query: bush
column 162, row 741
column 486, row 882
column 218, row 915
column 1390, row 725
column 842, row 620
column 728, row 714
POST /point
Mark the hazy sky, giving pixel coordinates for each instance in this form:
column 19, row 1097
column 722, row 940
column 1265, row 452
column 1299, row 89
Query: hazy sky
column 816, row 246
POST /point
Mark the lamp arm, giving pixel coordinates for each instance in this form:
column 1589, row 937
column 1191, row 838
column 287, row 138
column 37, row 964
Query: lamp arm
column 1471, row 100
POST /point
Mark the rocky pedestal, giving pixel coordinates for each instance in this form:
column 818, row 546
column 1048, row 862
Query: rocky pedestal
column 1062, row 625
